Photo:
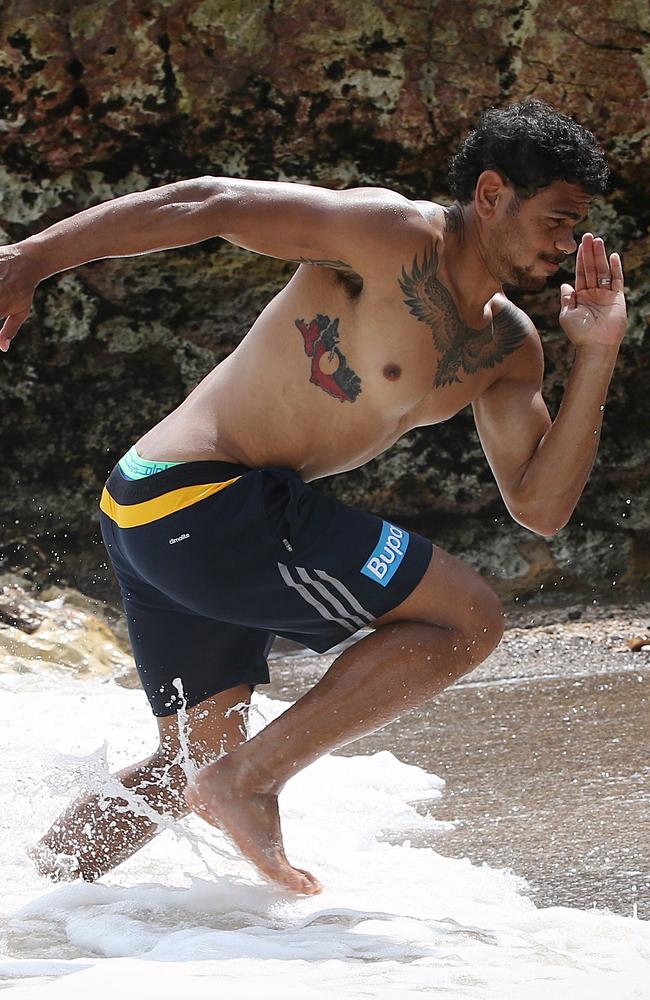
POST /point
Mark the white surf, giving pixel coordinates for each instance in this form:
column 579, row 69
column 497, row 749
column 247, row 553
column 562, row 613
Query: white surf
column 187, row 917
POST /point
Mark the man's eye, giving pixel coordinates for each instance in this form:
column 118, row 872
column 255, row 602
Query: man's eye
column 555, row 223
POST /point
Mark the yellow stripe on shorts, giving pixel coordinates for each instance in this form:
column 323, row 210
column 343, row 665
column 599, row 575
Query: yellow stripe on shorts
column 135, row 514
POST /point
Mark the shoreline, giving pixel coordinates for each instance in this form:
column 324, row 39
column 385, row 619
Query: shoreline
column 541, row 637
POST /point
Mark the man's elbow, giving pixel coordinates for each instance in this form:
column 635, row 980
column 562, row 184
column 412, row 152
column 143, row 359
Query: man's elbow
column 544, row 522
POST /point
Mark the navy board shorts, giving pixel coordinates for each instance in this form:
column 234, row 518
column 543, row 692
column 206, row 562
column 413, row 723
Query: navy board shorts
column 214, row 560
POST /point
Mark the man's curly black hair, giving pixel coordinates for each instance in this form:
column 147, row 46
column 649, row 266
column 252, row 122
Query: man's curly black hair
column 531, row 145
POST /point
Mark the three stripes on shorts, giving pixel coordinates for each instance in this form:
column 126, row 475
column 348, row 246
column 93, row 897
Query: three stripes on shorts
column 341, row 605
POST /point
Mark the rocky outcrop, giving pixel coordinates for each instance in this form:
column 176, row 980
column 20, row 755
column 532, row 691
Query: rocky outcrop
column 99, row 98
column 60, row 629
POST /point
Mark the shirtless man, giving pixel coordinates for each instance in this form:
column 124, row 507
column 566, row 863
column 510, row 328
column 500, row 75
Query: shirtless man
column 396, row 318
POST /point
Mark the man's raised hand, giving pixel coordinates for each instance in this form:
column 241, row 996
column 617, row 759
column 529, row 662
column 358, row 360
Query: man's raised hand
column 594, row 312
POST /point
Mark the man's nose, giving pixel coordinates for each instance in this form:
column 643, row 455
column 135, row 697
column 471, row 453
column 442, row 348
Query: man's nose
column 566, row 244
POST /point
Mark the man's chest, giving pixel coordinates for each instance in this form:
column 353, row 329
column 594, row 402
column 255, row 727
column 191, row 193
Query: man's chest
column 384, row 349
column 360, row 381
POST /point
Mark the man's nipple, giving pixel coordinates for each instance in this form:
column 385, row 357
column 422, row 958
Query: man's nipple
column 392, row 372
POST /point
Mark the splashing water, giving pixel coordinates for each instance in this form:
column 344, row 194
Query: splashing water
column 393, row 921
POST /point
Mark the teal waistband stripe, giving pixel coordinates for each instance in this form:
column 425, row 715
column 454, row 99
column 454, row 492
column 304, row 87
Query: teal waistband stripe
column 134, row 467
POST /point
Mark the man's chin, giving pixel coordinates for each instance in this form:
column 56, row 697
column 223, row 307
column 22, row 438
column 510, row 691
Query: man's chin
column 526, row 281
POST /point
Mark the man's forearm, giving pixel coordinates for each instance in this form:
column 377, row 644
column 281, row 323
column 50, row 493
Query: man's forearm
column 558, row 471
column 171, row 216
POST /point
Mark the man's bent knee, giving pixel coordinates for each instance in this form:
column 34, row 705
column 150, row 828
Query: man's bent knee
column 481, row 627
column 454, row 596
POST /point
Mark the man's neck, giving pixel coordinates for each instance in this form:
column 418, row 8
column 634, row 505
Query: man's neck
column 467, row 273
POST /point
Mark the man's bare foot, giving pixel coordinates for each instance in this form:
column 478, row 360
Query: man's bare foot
column 252, row 820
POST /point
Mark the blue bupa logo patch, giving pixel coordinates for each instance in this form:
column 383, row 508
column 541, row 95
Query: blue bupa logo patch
column 387, row 555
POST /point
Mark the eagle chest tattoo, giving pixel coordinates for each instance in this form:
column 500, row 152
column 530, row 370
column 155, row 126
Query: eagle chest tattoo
column 329, row 368
column 462, row 349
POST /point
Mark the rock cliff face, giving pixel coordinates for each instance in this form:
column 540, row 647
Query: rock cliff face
column 100, row 98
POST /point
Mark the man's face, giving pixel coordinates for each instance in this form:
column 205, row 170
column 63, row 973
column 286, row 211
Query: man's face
column 531, row 237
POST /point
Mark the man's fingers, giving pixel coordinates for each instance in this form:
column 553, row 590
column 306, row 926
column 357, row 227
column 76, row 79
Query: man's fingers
column 580, row 271
column 10, row 328
column 567, row 297
column 588, row 260
column 618, row 281
column 600, row 261
column 594, row 269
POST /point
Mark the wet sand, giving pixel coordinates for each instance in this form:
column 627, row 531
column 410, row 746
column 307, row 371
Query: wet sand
column 544, row 750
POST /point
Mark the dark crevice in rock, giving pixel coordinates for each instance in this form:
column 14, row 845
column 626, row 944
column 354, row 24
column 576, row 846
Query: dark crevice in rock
column 335, row 70
column 170, row 88
column 371, row 154
column 507, row 73
column 428, row 86
column 271, row 20
column 507, row 64
column 8, row 106
column 76, row 69
column 103, row 108
column 31, row 64
column 378, row 45
column 608, row 46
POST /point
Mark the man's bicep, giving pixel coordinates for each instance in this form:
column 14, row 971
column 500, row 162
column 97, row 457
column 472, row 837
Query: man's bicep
column 511, row 420
column 307, row 223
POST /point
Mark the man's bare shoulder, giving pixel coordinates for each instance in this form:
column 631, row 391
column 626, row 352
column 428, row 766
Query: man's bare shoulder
column 399, row 213
column 404, row 227
column 390, row 224
column 437, row 217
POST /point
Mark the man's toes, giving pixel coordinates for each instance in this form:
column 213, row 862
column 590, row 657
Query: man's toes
column 314, row 886
column 295, row 879
column 305, row 884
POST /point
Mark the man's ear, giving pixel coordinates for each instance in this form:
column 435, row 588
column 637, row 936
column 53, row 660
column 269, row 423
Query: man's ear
column 491, row 189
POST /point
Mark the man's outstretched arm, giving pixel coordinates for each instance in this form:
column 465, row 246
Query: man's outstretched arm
column 290, row 221
column 542, row 466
